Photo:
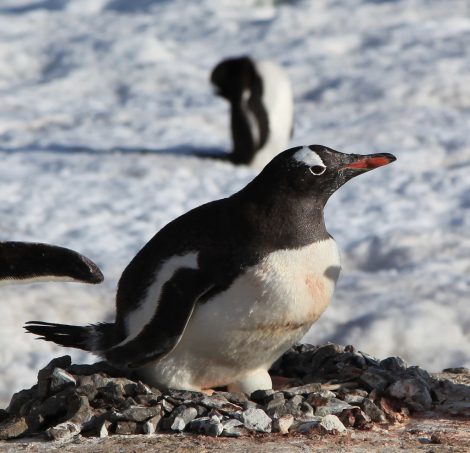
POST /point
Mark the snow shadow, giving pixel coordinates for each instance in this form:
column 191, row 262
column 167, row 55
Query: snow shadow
column 49, row 5
column 183, row 150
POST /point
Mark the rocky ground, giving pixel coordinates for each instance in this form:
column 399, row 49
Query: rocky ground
column 331, row 397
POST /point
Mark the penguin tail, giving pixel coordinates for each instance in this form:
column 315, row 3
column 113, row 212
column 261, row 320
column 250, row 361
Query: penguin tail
column 93, row 338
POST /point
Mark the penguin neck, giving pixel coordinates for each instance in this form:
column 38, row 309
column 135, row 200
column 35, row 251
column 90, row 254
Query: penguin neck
column 281, row 221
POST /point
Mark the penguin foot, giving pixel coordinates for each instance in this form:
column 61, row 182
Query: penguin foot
column 257, row 380
column 208, row 392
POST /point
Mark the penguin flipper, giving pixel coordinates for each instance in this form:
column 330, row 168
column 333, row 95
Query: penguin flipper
column 165, row 329
column 31, row 261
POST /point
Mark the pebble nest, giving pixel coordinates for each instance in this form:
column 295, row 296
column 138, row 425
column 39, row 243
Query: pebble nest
column 329, row 389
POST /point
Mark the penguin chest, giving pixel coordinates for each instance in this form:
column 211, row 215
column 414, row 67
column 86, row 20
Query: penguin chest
column 295, row 287
column 270, row 306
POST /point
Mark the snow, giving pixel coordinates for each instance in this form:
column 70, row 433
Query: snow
column 85, row 85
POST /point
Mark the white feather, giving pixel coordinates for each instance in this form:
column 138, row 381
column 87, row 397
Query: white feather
column 308, row 157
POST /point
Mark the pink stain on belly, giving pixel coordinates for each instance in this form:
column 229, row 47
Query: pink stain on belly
column 316, row 287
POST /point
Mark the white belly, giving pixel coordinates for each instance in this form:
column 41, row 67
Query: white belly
column 248, row 326
column 279, row 103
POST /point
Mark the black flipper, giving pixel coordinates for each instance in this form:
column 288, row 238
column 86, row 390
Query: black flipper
column 164, row 330
column 30, row 261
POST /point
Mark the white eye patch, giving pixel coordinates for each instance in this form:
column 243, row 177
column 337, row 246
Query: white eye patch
column 310, row 158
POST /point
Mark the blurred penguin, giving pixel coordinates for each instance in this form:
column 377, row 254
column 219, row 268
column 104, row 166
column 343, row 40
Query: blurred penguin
column 262, row 109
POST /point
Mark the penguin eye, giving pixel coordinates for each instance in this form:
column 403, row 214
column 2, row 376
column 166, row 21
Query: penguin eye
column 317, row 170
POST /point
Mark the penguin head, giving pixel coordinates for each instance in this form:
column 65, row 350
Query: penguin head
column 316, row 172
column 232, row 76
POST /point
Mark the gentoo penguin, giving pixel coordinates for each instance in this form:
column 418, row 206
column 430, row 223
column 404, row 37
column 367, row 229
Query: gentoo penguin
column 24, row 262
column 221, row 292
column 262, row 108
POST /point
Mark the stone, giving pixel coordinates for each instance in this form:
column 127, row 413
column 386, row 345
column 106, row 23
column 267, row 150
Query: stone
column 178, row 424
column 152, row 425
column 232, row 428
column 302, row 390
column 79, row 410
column 306, row 410
column 238, row 398
column 63, row 431
column 283, row 423
column 256, row 420
column 376, row 414
column 413, row 392
column 307, row 426
column 219, row 402
column 375, row 379
column 139, row 413
column 394, row 410
column 206, row 425
column 147, row 399
column 12, row 428
column 359, row 419
column 183, row 395
column 458, row 408
column 277, row 406
column 334, row 406
column 215, row 413
column 320, row 398
column 144, row 389
column 201, row 410
column 331, row 423
column 60, row 379
column 353, row 399
column 126, row 427
column 293, row 405
column 45, row 373
column 19, row 399
column 185, row 417
column 371, row 361
column 52, row 409
column 249, row 405
column 167, row 406
column 394, row 364
column 261, row 395
column 457, row 370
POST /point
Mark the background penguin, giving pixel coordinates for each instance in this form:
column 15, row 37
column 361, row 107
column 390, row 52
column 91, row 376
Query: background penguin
column 262, row 109
column 218, row 294
column 24, row 262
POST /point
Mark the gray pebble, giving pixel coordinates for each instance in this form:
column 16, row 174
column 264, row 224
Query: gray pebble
column 283, row 423
column 206, row 425
column 394, row 364
column 232, row 428
column 302, row 389
column 414, row 392
column 151, row 426
column 331, row 423
column 376, row 414
column 334, row 406
column 60, row 379
column 256, row 420
column 15, row 427
column 63, row 431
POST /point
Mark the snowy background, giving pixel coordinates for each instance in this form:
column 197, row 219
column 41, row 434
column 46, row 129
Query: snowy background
column 87, row 84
